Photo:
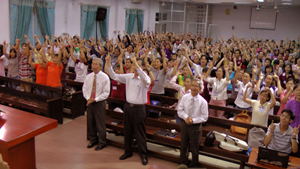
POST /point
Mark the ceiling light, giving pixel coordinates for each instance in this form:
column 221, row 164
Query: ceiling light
column 213, row 2
column 242, row 2
column 286, row 0
column 260, row 0
column 286, row 3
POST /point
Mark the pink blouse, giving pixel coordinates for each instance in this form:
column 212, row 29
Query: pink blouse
column 282, row 105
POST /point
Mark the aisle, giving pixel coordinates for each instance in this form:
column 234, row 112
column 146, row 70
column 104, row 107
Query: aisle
column 65, row 148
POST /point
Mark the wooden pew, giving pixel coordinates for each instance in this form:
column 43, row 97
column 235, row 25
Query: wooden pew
column 213, row 124
column 51, row 107
column 77, row 103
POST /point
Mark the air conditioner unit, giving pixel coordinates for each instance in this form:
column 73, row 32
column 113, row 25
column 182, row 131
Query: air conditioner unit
column 136, row 1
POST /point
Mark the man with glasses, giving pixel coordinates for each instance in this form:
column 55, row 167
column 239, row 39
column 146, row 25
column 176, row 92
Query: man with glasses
column 193, row 109
column 281, row 136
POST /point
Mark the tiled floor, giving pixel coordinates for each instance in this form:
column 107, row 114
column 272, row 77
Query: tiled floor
column 65, row 148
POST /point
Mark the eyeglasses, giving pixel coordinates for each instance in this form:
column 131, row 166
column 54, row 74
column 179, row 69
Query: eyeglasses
column 284, row 116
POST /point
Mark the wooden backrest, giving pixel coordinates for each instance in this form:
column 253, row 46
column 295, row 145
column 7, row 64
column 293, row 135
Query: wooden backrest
column 49, row 88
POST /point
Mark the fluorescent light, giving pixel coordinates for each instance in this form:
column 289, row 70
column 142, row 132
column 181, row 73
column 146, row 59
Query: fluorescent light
column 213, row 2
column 260, row 0
column 286, row 0
column 242, row 2
column 286, row 3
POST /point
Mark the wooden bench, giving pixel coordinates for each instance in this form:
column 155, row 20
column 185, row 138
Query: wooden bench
column 51, row 107
column 77, row 103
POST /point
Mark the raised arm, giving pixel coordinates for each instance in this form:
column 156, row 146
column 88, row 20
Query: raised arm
column 269, row 134
column 61, row 50
column 236, row 74
column 164, row 62
column 278, row 85
column 117, row 77
column 152, row 78
column 30, row 59
column 227, row 74
column 256, row 89
column 286, row 97
column 272, row 97
column 245, row 99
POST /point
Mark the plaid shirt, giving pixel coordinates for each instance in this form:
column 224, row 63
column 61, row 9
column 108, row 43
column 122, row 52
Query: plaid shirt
column 24, row 68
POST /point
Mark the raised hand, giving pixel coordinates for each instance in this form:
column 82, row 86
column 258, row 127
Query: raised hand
column 296, row 131
column 276, row 78
column 226, row 68
column 272, row 127
column 261, row 76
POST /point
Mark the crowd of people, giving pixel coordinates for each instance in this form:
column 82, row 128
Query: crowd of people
column 133, row 66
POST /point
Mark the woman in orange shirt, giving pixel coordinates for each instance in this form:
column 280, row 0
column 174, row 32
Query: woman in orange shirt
column 41, row 73
column 54, row 71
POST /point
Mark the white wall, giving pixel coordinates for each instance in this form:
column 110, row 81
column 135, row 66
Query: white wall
column 4, row 20
column 67, row 14
column 287, row 24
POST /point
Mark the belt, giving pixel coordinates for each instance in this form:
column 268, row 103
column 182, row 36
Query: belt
column 135, row 105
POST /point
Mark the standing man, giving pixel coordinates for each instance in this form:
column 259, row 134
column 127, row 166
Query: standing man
column 193, row 109
column 96, row 89
column 137, row 85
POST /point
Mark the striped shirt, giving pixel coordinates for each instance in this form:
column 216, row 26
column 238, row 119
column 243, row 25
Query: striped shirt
column 24, row 68
column 281, row 142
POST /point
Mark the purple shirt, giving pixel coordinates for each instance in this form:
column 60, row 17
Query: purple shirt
column 168, row 53
column 294, row 106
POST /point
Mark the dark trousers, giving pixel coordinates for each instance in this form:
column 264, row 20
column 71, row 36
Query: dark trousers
column 96, row 119
column 134, row 124
column 190, row 136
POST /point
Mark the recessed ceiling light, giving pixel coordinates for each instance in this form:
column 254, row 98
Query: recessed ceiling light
column 286, row 3
column 260, row 0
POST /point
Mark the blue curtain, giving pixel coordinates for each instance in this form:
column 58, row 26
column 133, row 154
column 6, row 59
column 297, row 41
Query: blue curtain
column 23, row 16
column 102, row 27
column 140, row 20
column 89, row 12
column 32, row 26
column 43, row 18
column 130, row 20
column 134, row 21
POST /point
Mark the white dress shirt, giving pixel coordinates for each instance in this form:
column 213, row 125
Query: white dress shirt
column 136, row 88
column 102, row 86
column 200, row 113
column 197, row 70
column 81, row 70
column 241, row 90
column 176, row 47
column 219, row 88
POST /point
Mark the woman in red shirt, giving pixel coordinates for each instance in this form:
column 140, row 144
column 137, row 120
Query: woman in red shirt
column 41, row 72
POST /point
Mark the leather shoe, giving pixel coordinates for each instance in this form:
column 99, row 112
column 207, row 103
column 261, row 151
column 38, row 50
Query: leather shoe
column 91, row 144
column 100, row 147
column 124, row 156
column 144, row 160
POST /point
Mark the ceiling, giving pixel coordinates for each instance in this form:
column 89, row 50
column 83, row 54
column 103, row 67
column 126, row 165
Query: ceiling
column 288, row 3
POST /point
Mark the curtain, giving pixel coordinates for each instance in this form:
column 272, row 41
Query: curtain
column 103, row 25
column 134, row 21
column 130, row 20
column 31, row 23
column 23, row 17
column 43, row 18
column 89, row 12
column 140, row 20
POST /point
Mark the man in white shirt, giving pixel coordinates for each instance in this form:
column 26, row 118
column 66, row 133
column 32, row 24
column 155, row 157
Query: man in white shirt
column 193, row 109
column 96, row 89
column 137, row 85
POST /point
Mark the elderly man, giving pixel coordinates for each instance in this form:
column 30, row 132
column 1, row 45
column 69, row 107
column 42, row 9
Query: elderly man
column 96, row 89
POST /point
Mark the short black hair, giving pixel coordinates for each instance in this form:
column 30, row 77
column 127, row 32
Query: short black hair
column 292, row 116
column 269, row 94
column 224, row 73
column 296, row 60
column 276, row 62
column 296, row 86
column 269, row 66
column 269, row 60
column 291, row 71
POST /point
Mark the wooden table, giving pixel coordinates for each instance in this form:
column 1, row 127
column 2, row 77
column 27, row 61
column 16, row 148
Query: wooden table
column 253, row 163
column 17, row 136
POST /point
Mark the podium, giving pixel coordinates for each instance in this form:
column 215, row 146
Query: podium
column 17, row 132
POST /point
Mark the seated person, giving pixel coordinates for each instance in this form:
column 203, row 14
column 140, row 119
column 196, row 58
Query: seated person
column 281, row 136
